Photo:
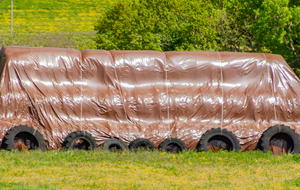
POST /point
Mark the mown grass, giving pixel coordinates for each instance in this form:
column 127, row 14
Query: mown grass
column 148, row 170
column 79, row 41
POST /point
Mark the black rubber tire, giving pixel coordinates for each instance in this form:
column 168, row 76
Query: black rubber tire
column 33, row 135
column 218, row 134
column 88, row 141
column 264, row 142
column 114, row 145
column 172, row 145
column 141, row 143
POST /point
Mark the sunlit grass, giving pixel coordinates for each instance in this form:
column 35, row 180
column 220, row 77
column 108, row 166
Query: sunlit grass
column 148, row 170
column 51, row 16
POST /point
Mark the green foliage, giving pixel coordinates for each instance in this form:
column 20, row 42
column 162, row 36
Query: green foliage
column 267, row 26
column 162, row 25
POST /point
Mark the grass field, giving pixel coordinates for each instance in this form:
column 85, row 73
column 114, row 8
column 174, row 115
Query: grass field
column 148, row 170
column 48, row 23
column 51, row 16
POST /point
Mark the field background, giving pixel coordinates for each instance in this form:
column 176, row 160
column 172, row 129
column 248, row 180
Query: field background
column 31, row 16
column 70, row 24
column 148, row 170
column 51, row 23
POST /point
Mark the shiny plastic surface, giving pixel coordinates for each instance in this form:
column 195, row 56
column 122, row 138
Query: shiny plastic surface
column 146, row 94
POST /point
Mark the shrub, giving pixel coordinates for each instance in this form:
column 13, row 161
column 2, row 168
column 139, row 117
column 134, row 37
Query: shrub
column 162, row 25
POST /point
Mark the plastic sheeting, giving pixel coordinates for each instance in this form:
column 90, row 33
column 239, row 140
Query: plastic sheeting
column 146, row 94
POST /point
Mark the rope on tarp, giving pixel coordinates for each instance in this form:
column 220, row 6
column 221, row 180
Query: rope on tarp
column 14, row 124
column 168, row 98
column 81, row 93
column 118, row 86
column 222, row 112
column 272, row 85
column 8, row 122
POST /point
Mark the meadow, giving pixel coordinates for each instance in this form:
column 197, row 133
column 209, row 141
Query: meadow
column 51, row 16
column 148, row 170
column 47, row 23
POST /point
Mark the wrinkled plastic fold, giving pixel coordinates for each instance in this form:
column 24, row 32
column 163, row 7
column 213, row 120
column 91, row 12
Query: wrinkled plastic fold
column 146, row 94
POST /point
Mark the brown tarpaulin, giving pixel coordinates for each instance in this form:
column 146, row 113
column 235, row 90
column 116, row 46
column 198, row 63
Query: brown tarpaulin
column 146, row 94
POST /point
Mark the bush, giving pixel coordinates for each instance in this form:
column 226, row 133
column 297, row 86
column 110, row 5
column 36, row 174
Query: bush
column 162, row 25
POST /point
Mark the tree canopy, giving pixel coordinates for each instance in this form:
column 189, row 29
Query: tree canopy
column 163, row 25
column 271, row 26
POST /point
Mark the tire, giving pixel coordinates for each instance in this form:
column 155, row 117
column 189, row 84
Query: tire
column 172, row 145
column 216, row 139
column 141, row 144
column 25, row 138
column 80, row 140
column 114, row 145
column 279, row 139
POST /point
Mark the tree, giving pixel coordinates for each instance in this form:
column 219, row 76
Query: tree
column 271, row 26
column 162, row 25
column 267, row 26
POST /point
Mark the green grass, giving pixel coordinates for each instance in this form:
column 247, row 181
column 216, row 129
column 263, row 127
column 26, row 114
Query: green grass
column 48, row 23
column 148, row 170
column 79, row 41
column 51, row 16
